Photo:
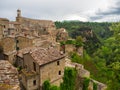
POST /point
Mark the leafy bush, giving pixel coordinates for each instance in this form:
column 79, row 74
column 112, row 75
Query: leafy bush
column 68, row 79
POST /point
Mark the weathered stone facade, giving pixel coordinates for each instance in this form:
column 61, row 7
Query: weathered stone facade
column 24, row 42
column 14, row 28
column 34, row 26
column 8, row 47
column 1, row 31
column 5, row 24
column 8, row 44
column 44, row 64
column 30, row 80
column 70, row 48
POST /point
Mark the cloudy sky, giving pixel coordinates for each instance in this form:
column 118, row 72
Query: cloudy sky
column 58, row 10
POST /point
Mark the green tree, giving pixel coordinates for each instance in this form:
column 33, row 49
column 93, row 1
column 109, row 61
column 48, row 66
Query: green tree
column 68, row 79
column 79, row 41
column 46, row 85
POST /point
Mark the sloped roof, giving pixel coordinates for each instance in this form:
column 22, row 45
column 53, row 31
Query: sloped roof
column 46, row 55
column 8, row 74
column 24, row 51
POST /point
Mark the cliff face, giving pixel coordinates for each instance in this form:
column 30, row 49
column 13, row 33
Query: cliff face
column 91, row 41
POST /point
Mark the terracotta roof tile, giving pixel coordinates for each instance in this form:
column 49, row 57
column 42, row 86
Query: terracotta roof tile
column 46, row 55
column 8, row 73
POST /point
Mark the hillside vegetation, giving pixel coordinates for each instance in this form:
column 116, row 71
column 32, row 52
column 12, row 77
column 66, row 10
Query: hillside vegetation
column 101, row 29
column 103, row 59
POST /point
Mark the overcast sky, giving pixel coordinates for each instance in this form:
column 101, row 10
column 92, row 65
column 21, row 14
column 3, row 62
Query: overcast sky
column 58, row 10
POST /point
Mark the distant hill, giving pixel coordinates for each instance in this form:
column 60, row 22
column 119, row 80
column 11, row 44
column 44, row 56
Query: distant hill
column 102, row 30
column 91, row 33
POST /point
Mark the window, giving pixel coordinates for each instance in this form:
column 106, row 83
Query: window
column 44, row 29
column 17, row 48
column 59, row 73
column 17, row 41
column 34, row 66
column 58, row 62
column 34, row 82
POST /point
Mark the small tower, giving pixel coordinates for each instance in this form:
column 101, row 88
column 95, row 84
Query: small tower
column 18, row 13
column 18, row 18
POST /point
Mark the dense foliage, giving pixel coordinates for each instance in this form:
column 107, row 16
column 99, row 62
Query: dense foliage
column 101, row 29
column 104, row 62
column 48, row 86
column 86, row 83
column 107, row 59
column 69, row 79
column 102, row 53
column 85, row 30
column 78, row 41
column 94, row 86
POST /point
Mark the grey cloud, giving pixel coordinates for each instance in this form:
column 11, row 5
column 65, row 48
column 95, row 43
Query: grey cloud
column 53, row 9
column 112, row 11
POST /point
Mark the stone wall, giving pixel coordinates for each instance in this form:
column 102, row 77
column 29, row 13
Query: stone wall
column 1, row 31
column 80, row 51
column 24, row 42
column 30, row 80
column 28, row 63
column 53, row 72
column 8, row 44
column 5, row 23
column 30, row 77
column 19, row 62
column 39, row 27
column 10, row 56
column 69, row 48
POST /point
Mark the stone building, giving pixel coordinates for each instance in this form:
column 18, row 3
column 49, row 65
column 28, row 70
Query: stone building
column 38, row 27
column 8, row 76
column 19, row 62
column 24, row 42
column 14, row 28
column 1, row 31
column 8, row 44
column 8, row 48
column 42, row 64
column 5, row 24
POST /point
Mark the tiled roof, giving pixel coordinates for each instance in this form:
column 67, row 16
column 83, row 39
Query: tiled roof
column 10, row 52
column 45, row 55
column 24, row 51
column 8, row 74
